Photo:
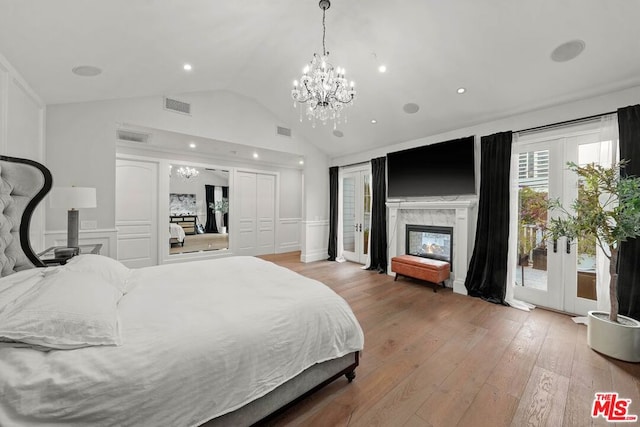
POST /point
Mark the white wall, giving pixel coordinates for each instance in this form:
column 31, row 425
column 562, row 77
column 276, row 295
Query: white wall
column 81, row 144
column 569, row 111
column 22, row 115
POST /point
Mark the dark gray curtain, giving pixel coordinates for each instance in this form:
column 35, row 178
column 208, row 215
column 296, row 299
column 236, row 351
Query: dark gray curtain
column 629, row 255
column 210, row 226
column 378, row 233
column 487, row 274
column 333, row 213
column 225, row 195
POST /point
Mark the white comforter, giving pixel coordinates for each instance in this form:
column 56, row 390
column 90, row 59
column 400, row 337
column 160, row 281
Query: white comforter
column 199, row 339
column 176, row 232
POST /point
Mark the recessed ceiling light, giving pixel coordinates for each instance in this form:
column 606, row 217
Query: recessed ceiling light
column 411, row 108
column 192, row 145
column 86, row 70
column 338, row 133
column 461, row 90
column 301, row 162
column 568, row 51
column 382, row 68
column 374, row 121
column 255, row 155
column 187, row 67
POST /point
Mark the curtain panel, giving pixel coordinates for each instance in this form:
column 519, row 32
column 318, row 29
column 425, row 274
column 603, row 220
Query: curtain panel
column 487, row 274
column 332, row 250
column 378, row 234
column 210, row 226
column 225, row 217
column 629, row 256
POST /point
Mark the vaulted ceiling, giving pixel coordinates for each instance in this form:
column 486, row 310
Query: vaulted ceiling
column 499, row 50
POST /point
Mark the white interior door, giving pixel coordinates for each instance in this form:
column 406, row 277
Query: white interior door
column 245, row 195
column 355, row 192
column 256, row 201
column 561, row 275
column 265, row 211
column 137, row 212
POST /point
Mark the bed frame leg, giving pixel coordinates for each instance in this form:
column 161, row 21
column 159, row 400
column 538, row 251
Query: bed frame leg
column 350, row 375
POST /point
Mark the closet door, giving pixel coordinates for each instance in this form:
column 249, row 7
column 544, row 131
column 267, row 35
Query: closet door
column 256, row 195
column 247, row 212
column 136, row 212
column 265, row 208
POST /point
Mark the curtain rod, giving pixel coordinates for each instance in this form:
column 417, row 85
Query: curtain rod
column 566, row 122
column 356, row 164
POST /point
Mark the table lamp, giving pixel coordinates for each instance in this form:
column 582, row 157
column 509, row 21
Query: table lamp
column 72, row 198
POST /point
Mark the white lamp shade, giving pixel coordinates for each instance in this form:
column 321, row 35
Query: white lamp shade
column 72, row 197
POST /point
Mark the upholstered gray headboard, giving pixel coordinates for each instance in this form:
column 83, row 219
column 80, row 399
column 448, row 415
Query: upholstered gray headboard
column 23, row 184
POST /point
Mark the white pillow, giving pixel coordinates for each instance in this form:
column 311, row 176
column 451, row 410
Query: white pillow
column 111, row 270
column 64, row 310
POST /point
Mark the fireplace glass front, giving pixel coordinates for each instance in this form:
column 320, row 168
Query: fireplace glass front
column 429, row 242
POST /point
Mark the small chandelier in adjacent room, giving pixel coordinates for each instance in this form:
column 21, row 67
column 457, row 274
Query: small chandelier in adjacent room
column 187, row 173
column 323, row 88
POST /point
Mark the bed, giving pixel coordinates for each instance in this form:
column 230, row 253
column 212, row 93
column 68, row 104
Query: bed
column 218, row 342
column 176, row 234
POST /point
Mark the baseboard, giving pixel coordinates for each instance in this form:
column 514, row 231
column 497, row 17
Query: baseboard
column 314, row 256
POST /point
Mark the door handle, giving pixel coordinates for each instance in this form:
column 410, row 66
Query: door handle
column 555, row 246
column 568, row 245
column 360, row 228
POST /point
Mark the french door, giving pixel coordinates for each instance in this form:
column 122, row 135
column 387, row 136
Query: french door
column 355, row 190
column 560, row 275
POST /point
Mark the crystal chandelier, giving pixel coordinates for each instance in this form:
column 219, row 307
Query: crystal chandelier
column 323, row 88
column 187, row 173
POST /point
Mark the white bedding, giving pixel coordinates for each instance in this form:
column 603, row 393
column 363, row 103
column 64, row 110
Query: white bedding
column 176, row 232
column 199, row 339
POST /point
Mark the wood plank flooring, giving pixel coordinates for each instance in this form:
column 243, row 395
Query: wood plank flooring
column 443, row 359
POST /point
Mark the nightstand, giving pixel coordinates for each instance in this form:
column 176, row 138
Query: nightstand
column 49, row 257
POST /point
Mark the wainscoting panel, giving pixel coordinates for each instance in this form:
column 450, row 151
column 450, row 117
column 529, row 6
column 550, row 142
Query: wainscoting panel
column 288, row 237
column 107, row 237
column 315, row 240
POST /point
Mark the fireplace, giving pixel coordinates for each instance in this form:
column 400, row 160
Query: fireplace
column 430, row 242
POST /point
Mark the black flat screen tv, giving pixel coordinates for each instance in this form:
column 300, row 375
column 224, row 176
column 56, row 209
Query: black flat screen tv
column 442, row 169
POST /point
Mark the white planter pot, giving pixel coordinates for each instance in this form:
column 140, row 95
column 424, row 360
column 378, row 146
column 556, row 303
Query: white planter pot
column 223, row 230
column 618, row 340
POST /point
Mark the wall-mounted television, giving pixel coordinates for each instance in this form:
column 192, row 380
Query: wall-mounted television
column 442, row 169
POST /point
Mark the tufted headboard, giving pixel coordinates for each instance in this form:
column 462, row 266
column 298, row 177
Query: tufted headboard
column 23, row 184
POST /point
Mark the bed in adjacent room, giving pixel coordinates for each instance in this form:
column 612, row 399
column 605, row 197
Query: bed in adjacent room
column 222, row 342
column 176, row 234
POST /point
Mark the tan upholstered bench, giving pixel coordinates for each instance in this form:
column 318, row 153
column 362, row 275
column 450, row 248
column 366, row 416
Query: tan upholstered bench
column 431, row 270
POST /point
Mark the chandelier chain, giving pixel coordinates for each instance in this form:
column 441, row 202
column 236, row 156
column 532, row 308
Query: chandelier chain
column 324, row 31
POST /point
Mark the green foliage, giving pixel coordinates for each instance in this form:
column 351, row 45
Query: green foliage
column 533, row 216
column 220, row 206
column 607, row 208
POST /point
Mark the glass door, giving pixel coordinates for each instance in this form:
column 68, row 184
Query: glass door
column 355, row 194
column 563, row 274
column 539, row 265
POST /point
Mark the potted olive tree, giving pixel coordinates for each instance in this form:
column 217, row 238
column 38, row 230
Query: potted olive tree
column 607, row 209
column 221, row 206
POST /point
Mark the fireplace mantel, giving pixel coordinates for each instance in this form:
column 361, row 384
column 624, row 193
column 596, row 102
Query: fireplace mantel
column 460, row 217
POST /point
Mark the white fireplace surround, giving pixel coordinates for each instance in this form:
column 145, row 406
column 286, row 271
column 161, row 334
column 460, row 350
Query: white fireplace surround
column 455, row 213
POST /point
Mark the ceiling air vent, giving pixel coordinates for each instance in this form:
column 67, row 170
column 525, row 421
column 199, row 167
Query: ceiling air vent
column 131, row 136
column 177, row 106
column 283, row 131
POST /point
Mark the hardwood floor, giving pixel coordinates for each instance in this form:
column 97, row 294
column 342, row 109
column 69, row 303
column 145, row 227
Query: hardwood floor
column 443, row 359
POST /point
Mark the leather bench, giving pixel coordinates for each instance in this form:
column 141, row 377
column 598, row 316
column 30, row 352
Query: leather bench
column 427, row 269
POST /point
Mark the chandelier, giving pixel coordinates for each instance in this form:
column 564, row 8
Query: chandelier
column 187, row 173
column 323, row 88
